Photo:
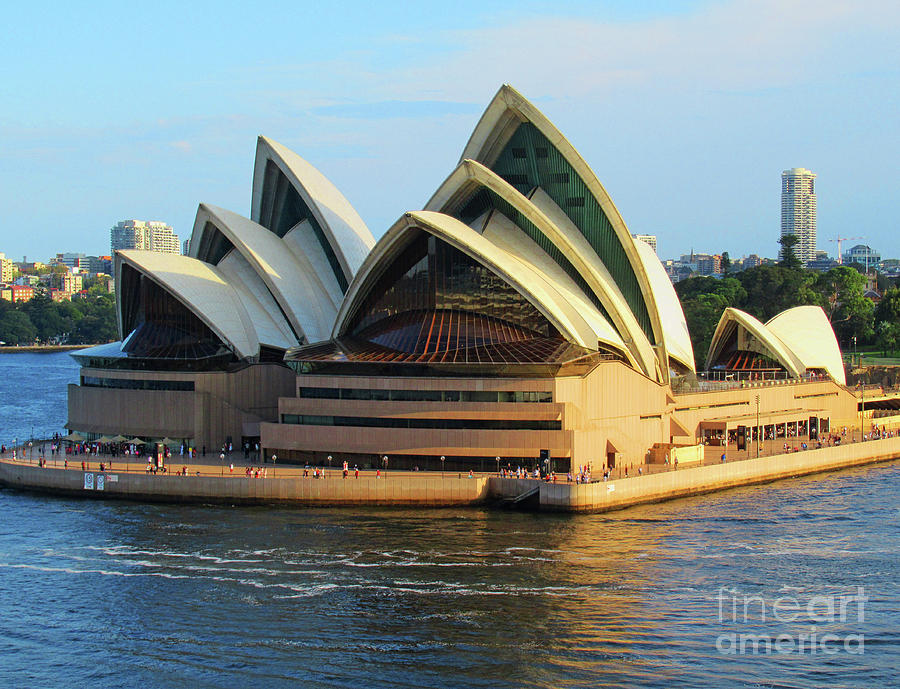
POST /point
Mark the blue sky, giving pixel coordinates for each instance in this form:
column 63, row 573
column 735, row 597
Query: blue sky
column 687, row 111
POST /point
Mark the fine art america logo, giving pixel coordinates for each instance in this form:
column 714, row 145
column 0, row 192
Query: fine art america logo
column 791, row 624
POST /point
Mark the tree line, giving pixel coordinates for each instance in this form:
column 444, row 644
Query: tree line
column 766, row 291
column 84, row 320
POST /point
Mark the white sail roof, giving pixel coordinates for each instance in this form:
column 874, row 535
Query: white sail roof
column 346, row 233
column 809, row 335
column 202, row 289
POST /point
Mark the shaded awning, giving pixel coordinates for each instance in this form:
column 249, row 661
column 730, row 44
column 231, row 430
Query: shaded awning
column 765, row 419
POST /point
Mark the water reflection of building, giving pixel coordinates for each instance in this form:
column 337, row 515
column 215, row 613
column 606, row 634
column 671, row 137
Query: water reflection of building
column 514, row 316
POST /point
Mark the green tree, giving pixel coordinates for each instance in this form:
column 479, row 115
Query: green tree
column 703, row 299
column 702, row 316
column 773, row 289
column 44, row 315
column 842, row 295
column 888, row 335
column 788, row 255
column 726, row 263
column 16, row 328
column 97, row 322
column 888, row 310
column 728, row 288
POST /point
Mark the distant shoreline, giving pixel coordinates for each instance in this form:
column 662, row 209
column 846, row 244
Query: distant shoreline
column 42, row 349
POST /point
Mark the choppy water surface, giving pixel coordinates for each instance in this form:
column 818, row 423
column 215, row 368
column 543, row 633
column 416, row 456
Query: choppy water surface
column 112, row 594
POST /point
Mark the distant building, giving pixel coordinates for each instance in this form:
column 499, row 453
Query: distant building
column 145, row 236
column 709, row 264
column 186, row 247
column 104, row 265
column 862, row 254
column 705, row 264
column 27, row 267
column 16, row 293
column 751, row 261
column 71, row 282
column 649, row 239
column 60, row 294
column 678, row 271
column 69, row 260
column 7, row 268
column 822, row 264
column 798, row 210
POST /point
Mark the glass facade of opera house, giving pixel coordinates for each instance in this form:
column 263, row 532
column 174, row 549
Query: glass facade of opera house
column 512, row 318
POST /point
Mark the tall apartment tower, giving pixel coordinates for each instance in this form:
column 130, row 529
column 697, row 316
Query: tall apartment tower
column 148, row 236
column 798, row 210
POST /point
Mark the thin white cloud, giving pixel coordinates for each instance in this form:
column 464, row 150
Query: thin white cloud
column 738, row 45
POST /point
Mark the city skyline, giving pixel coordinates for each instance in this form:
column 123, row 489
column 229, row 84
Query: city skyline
column 653, row 97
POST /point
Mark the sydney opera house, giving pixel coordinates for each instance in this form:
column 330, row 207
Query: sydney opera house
column 512, row 318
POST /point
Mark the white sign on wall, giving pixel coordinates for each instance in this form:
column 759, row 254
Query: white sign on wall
column 100, row 481
column 89, row 482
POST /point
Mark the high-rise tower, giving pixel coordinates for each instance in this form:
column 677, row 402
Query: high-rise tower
column 146, row 236
column 798, row 210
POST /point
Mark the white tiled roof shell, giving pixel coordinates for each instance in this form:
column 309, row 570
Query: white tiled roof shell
column 202, row 289
column 808, row 333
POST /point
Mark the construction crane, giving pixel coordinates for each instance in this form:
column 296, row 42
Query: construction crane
column 839, row 240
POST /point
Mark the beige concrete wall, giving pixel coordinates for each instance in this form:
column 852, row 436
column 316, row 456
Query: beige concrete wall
column 612, row 408
column 415, row 441
column 615, row 406
column 826, row 398
column 424, row 410
column 429, row 442
column 144, row 413
column 604, row 496
column 433, row 490
column 219, row 406
column 429, row 490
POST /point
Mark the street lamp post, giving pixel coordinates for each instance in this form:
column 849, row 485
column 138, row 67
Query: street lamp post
column 855, row 355
column 384, row 460
column 498, row 465
column 442, row 465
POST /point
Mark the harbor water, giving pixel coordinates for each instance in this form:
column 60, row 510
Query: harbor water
column 791, row 584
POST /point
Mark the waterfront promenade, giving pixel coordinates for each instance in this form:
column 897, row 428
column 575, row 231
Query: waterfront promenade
column 215, row 482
